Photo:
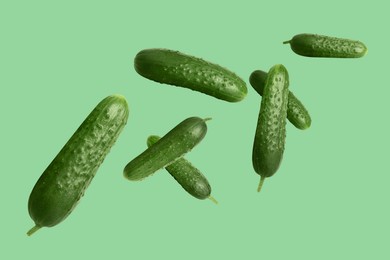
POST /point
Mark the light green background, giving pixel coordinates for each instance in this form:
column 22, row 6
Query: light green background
column 330, row 198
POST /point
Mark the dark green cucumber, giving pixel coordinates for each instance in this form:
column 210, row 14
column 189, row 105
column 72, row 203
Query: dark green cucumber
column 177, row 142
column 179, row 69
column 268, row 146
column 65, row 180
column 187, row 175
column 314, row 45
column 296, row 112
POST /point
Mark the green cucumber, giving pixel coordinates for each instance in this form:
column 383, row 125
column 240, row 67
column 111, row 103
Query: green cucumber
column 65, row 180
column 296, row 112
column 187, row 175
column 179, row 69
column 268, row 146
column 314, row 45
column 177, row 142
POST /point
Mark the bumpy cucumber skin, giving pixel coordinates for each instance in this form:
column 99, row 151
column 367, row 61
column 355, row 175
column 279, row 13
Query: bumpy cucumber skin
column 178, row 69
column 297, row 114
column 314, row 45
column 187, row 175
column 65, row 180
column 177, row 142
column 268, row 146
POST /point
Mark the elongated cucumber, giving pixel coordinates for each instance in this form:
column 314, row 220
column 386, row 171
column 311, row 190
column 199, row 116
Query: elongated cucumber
column 177, row 142
column 65, row 180
column 179, row 69
column 187, row 175
column 314, row 45
column 296, row 112
column 268, row 146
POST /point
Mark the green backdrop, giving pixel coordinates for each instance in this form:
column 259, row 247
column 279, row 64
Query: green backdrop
column 329, row 199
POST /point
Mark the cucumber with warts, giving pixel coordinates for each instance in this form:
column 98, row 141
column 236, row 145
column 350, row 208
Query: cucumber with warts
column 314, row 45
column 177, row 142
column 297, row 114
column 268, row 146
column 187, row 175
column 63, row 183
column 182, row 70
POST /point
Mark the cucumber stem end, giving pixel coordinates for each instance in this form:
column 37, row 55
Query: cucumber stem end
column 33, row 230
column 262, row 178
column 285, row 42
column 213, row 199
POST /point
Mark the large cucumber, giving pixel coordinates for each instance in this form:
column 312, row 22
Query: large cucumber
column 296, row 112
column 268, row 146
column 179, row 69
column 65, row 180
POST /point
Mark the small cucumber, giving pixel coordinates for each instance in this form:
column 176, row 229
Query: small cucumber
column 65, row 180
column 268, row 146
column 187, row 175
column 314, row 45
column 177, row 142
column 296, row 112
column 179, row 69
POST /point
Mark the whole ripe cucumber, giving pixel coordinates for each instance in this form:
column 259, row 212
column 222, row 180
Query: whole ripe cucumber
column 187, row 175
column 314, row 45
column 177, row 142
column 65, row 180
column 179, row 69
column 296, row 111
column 268, row 146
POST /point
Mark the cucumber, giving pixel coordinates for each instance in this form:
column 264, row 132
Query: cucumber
column 314, row 45
column 296, row 112
column 177, row 142
column 65, row 180
column 182, row 70
column 268, row 146
column 187, row 175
